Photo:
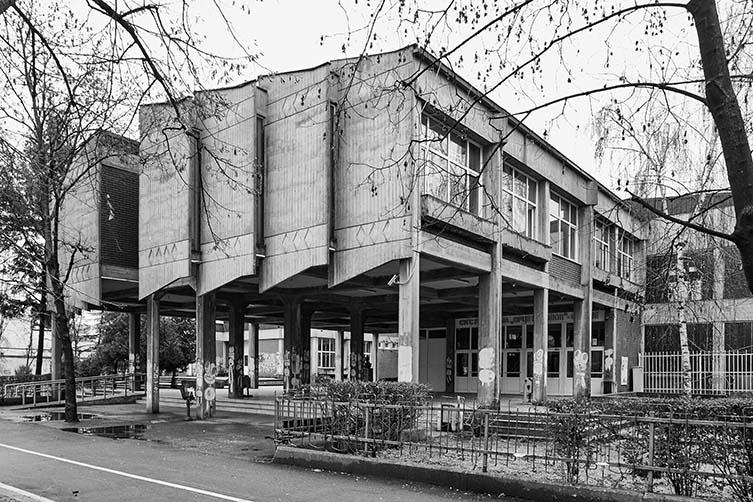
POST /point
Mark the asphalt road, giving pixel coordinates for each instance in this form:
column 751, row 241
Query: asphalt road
column 64, row 466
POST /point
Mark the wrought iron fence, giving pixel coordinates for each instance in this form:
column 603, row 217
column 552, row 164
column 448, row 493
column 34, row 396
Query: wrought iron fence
column 684, row 456
column 710, row 372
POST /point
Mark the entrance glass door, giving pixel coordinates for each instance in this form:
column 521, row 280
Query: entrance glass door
column 466, row 355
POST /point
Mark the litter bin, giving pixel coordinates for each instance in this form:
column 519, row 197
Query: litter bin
column 637, row 378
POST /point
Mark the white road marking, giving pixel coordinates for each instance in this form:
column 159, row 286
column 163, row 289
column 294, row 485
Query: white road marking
column 127, row 475
column 23, row 493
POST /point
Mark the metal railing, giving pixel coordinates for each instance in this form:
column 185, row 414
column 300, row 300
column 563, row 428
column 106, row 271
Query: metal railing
column 87, row 389
column 641, row 453
column 710, row 372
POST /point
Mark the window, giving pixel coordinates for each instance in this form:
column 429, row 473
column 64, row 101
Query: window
column 602, row 236
column 326, row 354
column 563, row 227
column 734, row 279
column 452, row 168
column 625, row 253
column 367, row 348
column 520, row 195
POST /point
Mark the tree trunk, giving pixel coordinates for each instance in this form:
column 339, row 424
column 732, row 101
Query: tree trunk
column 682, row 297
column 725, row 109
column 173, row 379
column 42, row 315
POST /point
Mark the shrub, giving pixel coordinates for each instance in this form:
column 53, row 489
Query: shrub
column 392, row 407
column 678, row 444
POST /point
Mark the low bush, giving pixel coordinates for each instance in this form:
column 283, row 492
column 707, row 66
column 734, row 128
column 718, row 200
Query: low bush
column 381, row 410
column 680, row 444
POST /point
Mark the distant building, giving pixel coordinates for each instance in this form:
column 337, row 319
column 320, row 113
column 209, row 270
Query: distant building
column 719, row 311
column 18, row 347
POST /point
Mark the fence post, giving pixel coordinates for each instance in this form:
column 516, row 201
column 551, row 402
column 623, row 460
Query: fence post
column 277, row 409
column 650, row 476
column 366, row 430
column 485, row 461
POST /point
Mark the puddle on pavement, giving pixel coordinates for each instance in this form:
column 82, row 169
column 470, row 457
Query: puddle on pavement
column 132, row 431
column 54, row 415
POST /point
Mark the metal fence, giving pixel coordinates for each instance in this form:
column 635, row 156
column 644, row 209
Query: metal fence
column 642, row 453
column 53, row 391
column 710, row 372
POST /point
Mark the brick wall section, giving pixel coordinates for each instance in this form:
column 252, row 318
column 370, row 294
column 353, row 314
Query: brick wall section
column 119, row 217
column 628, row 344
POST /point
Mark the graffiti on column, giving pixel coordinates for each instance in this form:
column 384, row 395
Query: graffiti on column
column 294, row 364
column 486, row 366
column 538, row 367
column 609, row 365
column 210, row 393
column 449, row 371
column 306, row 367
column 286, row 370
column 356, row 366
column 580, row 365
column 199, row 392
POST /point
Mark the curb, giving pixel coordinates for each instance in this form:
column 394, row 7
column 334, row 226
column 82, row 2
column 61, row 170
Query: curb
column 463, row 480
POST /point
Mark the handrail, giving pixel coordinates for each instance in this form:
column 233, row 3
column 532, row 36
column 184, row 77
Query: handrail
column 51, row 391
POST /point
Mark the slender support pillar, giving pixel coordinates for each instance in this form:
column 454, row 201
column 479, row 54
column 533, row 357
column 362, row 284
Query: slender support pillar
column 583, row 308
column 236, row 350
column 253, row 354
column 611, row 358
column 206, row 357
column 374, row 356
column 490, row 319
column 582, row 350
column 152, row 354
column 408, row 320
column 134, row 335
column 449, row 363
column 297, row 334
column 540, row 343
column 339, row 354
column 56, row 352
column 313, row 363
column 356, row 343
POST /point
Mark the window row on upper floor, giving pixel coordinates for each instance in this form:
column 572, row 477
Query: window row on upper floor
column 454, row 173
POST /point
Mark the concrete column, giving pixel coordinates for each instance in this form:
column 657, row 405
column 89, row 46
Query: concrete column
column 313, row 360
column 339, row 353
column 449, row 365
column 356, row 343
column 540, row 343
column 374, row 356
column 488, row 337
column 253, row 354
column 610, row 343
column 56, row 352
column 583, row 308
column 297, row 335
column 134, row 341
column 206, row 357
column 582, row 350
column 236, row 328
column 152, row 354
column 408, row 320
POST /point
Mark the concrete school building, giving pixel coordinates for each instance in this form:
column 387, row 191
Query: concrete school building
column 378, row 195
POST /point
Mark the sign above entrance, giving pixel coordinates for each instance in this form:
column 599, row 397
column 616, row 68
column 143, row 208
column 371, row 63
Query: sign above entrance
column 598, row 315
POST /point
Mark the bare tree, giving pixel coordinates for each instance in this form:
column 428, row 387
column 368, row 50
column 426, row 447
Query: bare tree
column 534, row 51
